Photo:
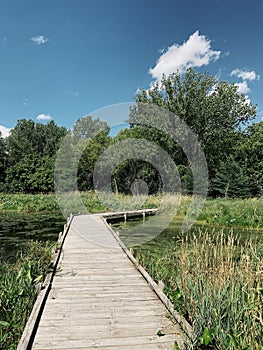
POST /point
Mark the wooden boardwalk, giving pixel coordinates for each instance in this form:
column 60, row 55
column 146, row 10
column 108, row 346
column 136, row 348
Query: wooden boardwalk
column 99, row 299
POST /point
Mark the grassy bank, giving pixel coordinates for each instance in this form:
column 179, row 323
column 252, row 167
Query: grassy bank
column 18, row 290
column 216, row 212
column 48, row 202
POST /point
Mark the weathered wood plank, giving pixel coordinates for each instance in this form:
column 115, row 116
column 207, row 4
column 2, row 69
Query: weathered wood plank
column 97, row 343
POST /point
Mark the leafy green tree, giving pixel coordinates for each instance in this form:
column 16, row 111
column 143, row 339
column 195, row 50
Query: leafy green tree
column 2, row 162
column 21, row 141
column 89, row 139
column 28, row 137
column 33, row 174
column 87, row 127
column 250, row 150
column 31, row 149
column 78, row 155
column 129, row 171
column 213, row 110
column 93, row 149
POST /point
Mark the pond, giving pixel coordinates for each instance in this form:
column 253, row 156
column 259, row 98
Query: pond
column 172, row 234
column 16, row 228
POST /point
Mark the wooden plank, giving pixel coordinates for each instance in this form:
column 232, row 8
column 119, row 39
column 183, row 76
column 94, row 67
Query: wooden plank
column 122, row 320
column 160, row 346
column 97, row 343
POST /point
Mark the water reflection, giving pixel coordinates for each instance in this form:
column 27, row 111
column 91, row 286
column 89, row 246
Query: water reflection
column 16, row 228
column 172, row 234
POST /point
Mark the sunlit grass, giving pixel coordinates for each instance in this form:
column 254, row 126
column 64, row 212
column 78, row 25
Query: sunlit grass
column 216, row 282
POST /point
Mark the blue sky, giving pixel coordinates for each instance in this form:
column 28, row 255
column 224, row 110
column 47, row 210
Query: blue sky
column 63, row 59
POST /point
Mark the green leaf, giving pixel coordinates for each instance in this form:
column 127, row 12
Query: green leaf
column 4, row 324
column 176, row 346
column 233, row 341
column 207, row 337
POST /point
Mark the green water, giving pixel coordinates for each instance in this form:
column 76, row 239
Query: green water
column 16, row 228
column 173, row 233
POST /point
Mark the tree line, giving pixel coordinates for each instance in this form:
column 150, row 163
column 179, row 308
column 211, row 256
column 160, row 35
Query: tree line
column 220, row 116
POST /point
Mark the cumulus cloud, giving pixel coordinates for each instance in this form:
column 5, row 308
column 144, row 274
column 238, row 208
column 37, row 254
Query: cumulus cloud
column 243, row 87
column 245, row 75
column 4, row 131
column 195, row 52
column 44, row 117
column 39, row 40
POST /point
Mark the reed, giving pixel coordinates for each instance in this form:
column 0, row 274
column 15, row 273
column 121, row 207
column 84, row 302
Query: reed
column 18, row 290
column 216, row 282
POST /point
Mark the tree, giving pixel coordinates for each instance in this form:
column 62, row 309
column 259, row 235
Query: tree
column 31, row 149
column 21, row 141
column 78, row 155
column 250, row 151
column 2, row 162
column 28, row 137
column 90, row 138
column 33, row 174
column 127, row 173
column 230, row 180
column 93, row 149
column 213, row 110
column 87, row 127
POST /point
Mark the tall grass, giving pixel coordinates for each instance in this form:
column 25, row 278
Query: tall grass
column 28, row 202
column 48, row 202
column 234, row 212
column 217, row 284
column 230, row 213
column 18, row 290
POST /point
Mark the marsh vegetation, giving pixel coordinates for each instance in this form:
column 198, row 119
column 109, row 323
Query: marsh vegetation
column 214, row 273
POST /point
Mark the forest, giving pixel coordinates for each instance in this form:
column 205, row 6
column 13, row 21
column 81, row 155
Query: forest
column 220, row 116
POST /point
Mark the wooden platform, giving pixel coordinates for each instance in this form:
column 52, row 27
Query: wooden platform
column 99, row 299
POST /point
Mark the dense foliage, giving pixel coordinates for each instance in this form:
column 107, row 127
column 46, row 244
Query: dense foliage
column 29, row 157
column 214, row 110
column 219, row 116
column 18, row 286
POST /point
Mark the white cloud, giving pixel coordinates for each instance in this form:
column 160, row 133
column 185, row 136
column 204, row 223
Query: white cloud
column 195, row 52
column 212, row 90
column 43, row 117
column 242, row 87
column 38, row 40
column 4, row 131
column 245, row 75
column 71, row 93
column 3, row 41
column 260, row 115
column 25, row 102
